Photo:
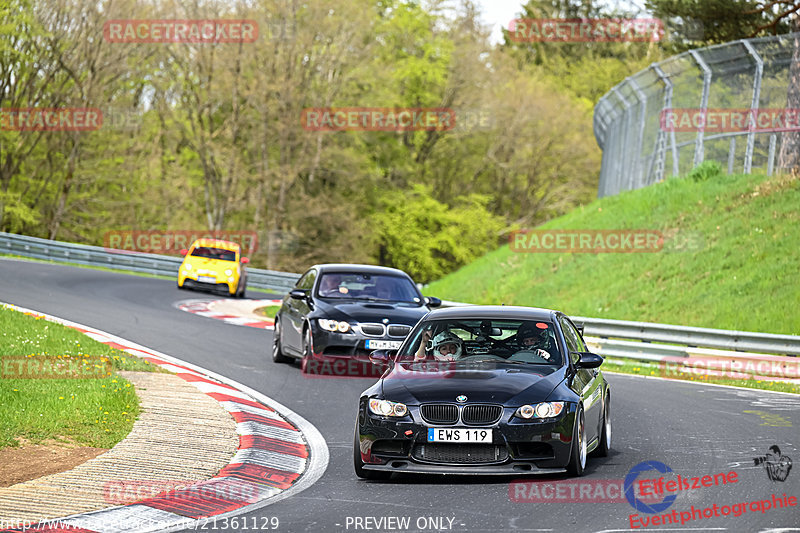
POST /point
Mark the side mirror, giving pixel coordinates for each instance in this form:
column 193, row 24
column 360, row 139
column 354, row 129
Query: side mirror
column 298, row 294
column 590, row 360
column 382, row 357
column 433, row 301
column 245, row 260
column 184, row 251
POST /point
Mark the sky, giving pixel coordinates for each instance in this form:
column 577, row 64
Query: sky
column 498, row 13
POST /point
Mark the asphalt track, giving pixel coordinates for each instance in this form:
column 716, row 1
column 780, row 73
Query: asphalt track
column 694, row 429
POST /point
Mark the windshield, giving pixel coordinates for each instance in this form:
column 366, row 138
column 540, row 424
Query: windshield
column 214, row 253
column 514, row 341
column 374, row 287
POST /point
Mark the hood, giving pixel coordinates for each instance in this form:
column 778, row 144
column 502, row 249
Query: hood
column 364, row 311
column 416, row 383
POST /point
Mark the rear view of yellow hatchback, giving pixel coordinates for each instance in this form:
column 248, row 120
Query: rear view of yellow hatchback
column 214, row 265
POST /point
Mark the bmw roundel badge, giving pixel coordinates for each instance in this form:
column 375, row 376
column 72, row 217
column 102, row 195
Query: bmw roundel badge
column 461, row 398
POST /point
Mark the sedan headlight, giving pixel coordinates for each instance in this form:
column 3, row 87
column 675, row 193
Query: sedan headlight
column 540, row 410
column 334, row 325
column 229, row 272
column 187, row 266
column 387, row 408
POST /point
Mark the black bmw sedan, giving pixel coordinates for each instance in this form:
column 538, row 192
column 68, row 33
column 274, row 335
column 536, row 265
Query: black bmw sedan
column 342, row 311
column 485, row 390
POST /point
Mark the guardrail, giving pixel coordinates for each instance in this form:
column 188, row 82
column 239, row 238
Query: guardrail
column 614, row 338
column 82, row 254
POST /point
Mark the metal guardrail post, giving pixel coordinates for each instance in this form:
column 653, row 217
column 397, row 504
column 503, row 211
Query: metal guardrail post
column 751, row 137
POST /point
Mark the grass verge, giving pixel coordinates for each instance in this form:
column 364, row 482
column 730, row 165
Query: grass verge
column 94, row 411
column 268, row 311
column 652, row 368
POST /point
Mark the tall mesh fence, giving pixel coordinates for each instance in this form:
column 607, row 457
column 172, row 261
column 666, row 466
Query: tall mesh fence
column 665, row 120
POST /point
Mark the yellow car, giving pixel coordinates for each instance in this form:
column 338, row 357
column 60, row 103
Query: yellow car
column 211, row 264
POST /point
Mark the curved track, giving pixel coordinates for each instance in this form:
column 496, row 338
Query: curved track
column 695, row 429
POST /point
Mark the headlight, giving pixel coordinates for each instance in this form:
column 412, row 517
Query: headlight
column 540, row 410
column 387, row 408
column 334, row 325
column 229, row 272
column 187, row 266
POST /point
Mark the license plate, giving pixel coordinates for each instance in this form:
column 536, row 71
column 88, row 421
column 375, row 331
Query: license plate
column 206, row 279
column 465, row 435
column 383, row 345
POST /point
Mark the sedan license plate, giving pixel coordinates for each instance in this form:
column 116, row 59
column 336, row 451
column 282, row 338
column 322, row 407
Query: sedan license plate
column 383, row 345
column 206, row 279
column 465, row 435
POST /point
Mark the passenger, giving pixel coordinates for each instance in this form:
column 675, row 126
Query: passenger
column 446, row 346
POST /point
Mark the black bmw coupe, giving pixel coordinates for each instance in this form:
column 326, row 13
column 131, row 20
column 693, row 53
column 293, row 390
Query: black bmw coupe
column 485, row 390
column 342, row 311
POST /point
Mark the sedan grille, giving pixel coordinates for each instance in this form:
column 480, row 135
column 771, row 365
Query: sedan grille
column 481, row 414
column 439, row 413
column 460, row 453
column 374, row 330
column 398, row 330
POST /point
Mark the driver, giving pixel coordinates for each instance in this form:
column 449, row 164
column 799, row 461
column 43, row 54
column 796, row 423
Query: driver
column 446, row 346
column 330, row 285
column 534, row 339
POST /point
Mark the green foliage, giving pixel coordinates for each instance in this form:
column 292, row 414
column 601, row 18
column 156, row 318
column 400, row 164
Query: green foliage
column 705, row 170
column 426, row 238
column 96, row 412
column 702, row 22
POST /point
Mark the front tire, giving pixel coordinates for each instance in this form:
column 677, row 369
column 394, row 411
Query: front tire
column 358, row 464
column 605, row 434
column 577, row 458
column 277, row 350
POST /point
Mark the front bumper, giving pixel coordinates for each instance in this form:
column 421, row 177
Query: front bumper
column 223, row 287
column 518, row 447
column 350, row 344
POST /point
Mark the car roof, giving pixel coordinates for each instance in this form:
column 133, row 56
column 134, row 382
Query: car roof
column 493, row 311
column 359, row 269
column 217, row 243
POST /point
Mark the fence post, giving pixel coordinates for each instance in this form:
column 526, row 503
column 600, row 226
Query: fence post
column 699, row 154
column 751, row 135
